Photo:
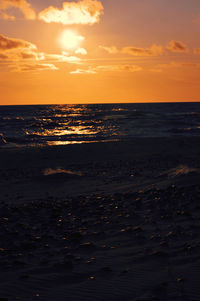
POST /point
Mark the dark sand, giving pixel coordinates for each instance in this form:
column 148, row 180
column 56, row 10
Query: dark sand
column 104, row 221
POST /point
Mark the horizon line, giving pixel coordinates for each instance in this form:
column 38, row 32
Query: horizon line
column 100, row 103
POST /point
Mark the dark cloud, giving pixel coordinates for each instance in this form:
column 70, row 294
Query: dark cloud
column 177, row 46
column 11, row 43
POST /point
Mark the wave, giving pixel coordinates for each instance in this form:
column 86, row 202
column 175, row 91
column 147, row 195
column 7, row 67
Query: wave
column 25, row 125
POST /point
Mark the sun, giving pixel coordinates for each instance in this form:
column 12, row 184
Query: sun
column 70, row 39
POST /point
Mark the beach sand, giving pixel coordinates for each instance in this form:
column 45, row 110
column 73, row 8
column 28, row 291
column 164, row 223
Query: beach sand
column 102, row 221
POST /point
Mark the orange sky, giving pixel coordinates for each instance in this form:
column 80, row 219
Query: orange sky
column 99, row 51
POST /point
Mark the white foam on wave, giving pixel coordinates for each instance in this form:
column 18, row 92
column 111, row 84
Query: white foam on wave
column 51, row 171
column 179, row 171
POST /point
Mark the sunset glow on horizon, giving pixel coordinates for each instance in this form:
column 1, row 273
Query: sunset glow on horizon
column 99, row 51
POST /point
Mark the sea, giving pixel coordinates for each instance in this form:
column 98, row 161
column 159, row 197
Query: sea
column 52, row 125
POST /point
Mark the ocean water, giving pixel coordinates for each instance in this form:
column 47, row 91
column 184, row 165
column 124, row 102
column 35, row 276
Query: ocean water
column 68, row 124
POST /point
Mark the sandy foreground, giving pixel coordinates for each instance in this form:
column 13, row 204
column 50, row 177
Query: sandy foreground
column 102, row 221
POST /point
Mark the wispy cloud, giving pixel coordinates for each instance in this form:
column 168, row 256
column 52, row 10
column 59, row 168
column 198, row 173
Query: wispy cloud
column 81, row 51
column 111, row 50
column 34, row 67
column 63, row 57
column 22, row 5
column 84, row 71
column 108, row 68
column 177, row 46
column 82, row 12
column 125, row 68
column 154, row 50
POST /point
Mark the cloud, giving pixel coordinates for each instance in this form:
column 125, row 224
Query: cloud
column 177, row 46
column 18, row 48
column 111, row 50
column 64, row 57
column 20, row 55
column 81, row 12
column 154, row 50
column 12, row 43
column 72, row 59
column 12, row 49
column 81, row 51
column 83, row 71
column 34, row 67
column 22, row 5
column 126, row 68
column 108, row 68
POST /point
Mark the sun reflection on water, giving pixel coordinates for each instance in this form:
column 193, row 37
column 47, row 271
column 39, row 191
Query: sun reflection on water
column 54, row 143
column 69, row 124
column 74, row 130
column 57, row 143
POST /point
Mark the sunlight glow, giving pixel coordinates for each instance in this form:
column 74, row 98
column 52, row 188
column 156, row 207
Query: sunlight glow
column 69, row 39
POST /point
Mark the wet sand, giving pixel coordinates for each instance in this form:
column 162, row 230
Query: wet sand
column 103, row 221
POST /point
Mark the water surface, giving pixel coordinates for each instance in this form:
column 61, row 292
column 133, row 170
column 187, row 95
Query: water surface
column 66, row 124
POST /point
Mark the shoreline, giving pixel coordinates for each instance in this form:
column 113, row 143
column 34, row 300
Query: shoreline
column 104, row 165
column 105, row 221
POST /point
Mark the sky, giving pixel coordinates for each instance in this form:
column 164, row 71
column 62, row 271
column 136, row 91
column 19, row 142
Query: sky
column 99, row 51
